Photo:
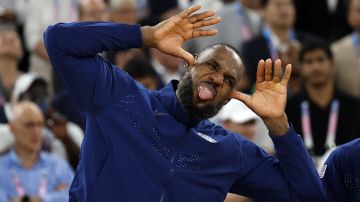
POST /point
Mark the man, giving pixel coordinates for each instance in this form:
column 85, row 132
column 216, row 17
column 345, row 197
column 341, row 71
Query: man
column 324, row 115
column 64, row 143
column 278, row 40
column 145, row 145
column 10, row 54
column 26, row 173
column 346, row 53
column 341, row 173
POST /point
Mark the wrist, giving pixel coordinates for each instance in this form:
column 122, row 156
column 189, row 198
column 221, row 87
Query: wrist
column 147, row 36
column 277, row 126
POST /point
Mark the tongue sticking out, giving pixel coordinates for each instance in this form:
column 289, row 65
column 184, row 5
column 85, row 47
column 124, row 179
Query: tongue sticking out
column 205, row 93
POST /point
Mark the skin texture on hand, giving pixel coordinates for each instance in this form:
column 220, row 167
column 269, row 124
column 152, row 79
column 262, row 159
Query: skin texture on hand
column 269, row 98
column 169, row 35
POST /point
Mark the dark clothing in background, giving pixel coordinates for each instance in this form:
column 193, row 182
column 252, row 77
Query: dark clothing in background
column 316, row 18
column 348, row 127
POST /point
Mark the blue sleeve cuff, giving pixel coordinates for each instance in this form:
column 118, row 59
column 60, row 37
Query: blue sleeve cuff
column 136, row 29
column 288, row 142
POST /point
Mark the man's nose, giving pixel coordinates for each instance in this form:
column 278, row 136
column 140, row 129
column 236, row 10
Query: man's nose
column 217, row 78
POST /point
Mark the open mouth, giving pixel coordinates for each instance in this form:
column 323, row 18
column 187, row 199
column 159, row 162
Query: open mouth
column 206, row 91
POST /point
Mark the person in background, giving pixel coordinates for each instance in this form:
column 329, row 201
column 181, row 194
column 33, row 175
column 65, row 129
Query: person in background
column 27, row 173
column 166, row 66
column 278, row 39
column 141, row 70
column 10, row 54
column 88, row 10
column 340, row 173
column 239, row 23
column 123, row 11
column 41, row 13
column 324, row 115
column 347, row 54
column 323, row 18
column 61, row 137
column 93, row 10
column 12, row 14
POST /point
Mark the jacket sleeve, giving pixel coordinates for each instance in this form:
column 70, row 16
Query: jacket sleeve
column 91, row 80
column 290, row 176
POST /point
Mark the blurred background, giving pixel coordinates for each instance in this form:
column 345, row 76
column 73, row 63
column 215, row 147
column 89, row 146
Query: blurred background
column 319, row 38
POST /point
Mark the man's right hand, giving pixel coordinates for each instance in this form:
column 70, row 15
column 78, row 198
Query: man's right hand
column 169, row 35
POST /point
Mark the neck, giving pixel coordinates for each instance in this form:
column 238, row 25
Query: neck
column 28, row 158
column 8, row 66
column 321, row 95
column 282, row 33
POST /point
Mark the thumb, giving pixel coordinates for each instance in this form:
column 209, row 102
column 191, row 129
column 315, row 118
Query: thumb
column 246, row 99
column 185, row 55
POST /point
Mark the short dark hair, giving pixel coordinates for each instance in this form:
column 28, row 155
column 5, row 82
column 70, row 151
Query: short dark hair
column 313, row 44
column 140, row 67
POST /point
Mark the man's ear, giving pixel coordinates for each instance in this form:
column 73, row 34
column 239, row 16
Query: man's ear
column 12, row 128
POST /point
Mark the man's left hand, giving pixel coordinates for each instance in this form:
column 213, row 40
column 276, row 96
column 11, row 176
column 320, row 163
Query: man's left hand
column 269, row 98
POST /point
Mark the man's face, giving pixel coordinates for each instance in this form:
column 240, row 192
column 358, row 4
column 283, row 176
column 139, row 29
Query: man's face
column 27, row 130
column 317, row 68
column 354, row 14
column 93, row 10
column 207, row 85
column 280, row 13
column 10, row 44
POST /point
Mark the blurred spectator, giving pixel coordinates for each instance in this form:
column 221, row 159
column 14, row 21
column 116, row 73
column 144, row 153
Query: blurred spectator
column 123, row 11
column 93, row 10
column 324, row 115
column 10, row 54
column 166, row 66
column 89, row 10
column 12, row 14
column 141, row 70
column 26, row 173
column 239, row 23
column 62, row 138
column 41, row 14
column 277, row 40
column 347, row 54
column 237, row 117
column 324, row 18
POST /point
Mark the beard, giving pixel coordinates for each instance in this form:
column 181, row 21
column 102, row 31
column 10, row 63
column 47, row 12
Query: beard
column 185, row 93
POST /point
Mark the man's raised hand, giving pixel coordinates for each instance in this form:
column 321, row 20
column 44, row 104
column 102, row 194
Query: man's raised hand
column 169, row 35
column 269, row 98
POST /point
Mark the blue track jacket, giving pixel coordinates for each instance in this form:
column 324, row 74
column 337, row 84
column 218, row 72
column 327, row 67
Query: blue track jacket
column 141, row 146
